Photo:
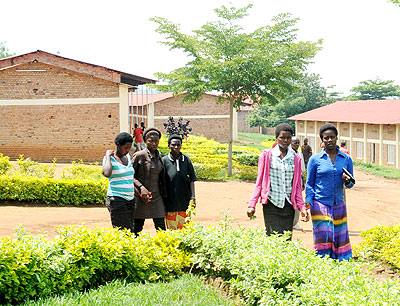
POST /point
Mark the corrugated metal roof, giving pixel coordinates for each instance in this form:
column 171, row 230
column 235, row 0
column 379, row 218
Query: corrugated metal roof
column 363, row 111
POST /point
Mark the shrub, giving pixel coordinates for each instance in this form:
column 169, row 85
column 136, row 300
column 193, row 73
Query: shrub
column 80, row 258
column 244, row 172
column 209, row 171
column 381, row 242
column 28, row 167
column 249, row 159
column 52, row 190
column 272, row 271
column 78, row 170
column 5, row 164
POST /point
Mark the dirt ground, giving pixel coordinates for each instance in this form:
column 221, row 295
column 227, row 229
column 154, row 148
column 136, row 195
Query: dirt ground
column 370, row 202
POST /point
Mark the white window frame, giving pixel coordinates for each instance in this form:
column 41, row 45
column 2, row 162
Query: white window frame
column 360, row 149
column 391, row 154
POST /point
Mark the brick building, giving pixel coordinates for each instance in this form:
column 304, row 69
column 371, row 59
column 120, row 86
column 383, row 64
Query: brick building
column 55, row 107
column 207, row 117
column 371, row 129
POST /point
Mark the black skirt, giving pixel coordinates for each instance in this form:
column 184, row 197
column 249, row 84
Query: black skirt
column 278, row 220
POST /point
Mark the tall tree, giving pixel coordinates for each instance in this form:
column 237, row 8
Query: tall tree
column 262, row 65
column 4, row 52
column 375, row 90
column 310, row 95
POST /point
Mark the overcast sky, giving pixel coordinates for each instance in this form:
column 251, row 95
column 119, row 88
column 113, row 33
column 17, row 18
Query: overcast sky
column 360, row 37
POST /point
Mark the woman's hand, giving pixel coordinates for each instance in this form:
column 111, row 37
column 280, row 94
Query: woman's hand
column 346, row 179
column 250, row 212
column 305, row 216
column 145, row 195
column 109, row 153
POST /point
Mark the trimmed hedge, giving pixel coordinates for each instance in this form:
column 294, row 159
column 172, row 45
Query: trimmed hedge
column 80, row 258
column 52, row 190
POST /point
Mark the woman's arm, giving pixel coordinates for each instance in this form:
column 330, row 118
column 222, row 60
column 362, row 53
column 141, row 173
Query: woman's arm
column 310, row 184
column 257, row 189
column 107, row 167
column 144, row 194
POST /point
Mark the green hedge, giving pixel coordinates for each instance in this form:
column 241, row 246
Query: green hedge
column 262, row 270
column 381, row 242
column 272, row 271
column 52, row 190
column 80, row 258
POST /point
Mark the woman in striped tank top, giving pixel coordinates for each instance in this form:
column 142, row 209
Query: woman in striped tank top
column 117, row 167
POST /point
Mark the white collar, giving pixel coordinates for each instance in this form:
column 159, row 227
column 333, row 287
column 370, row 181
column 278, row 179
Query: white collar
column 171, row 158
column 276, row 152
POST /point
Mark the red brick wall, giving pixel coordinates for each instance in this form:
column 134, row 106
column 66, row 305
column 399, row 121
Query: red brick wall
column 65, row 132
column 217, row 128
column 55, row 82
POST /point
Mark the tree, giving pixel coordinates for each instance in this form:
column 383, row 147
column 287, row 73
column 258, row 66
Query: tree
column 4, row 51
column 375, row 90
column 396, row 2
column 310, row 95
column 261, row 65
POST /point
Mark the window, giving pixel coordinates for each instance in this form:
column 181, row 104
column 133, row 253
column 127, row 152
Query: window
column 360, row 147
column 311, row 142
column 391, row 150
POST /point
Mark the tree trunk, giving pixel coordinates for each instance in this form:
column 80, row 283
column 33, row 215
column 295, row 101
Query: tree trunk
column 230, row 139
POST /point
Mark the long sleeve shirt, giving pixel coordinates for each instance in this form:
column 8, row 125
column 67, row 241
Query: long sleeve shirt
column 324, row 179
column 263, row 184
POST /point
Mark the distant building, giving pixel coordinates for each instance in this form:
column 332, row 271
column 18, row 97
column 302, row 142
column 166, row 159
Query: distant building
column 371, row 129
column 207, row 117
column 56, row 107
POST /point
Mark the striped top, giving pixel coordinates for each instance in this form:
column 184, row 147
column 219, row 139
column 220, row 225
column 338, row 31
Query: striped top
column 121, row 179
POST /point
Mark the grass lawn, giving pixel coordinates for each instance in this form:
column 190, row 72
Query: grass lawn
column 186, row 290
column 387, row 172
column 253, row 140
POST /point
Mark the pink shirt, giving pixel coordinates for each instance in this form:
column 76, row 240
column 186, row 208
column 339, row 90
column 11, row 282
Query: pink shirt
column 263, row 183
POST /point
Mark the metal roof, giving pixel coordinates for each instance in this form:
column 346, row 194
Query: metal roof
column 362, row 111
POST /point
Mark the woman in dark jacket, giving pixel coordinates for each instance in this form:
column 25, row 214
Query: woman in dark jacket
column 149, row 182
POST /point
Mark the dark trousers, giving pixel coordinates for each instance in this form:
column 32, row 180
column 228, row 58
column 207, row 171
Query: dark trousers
column 159, row 224
column 278, row 219
column 121, row 212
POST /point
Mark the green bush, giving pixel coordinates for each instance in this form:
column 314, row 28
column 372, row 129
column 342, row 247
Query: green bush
column 247, row 158
column 52, row 190
column 381, row 242
column 78, row 170
column 272, row 271
column 5, row 164
column 210, row 158
column 80, row 258
column 244, row 172
column 28, row 167
column 263, row 270
column 209, row 171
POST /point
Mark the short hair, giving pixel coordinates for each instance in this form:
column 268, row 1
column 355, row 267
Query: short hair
column 174, row 136
column 326, row 127
column 283, row 127
column 151, row 132
column 343, row 143
column 123, row 138
column 136, row 125
column 295, row 138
